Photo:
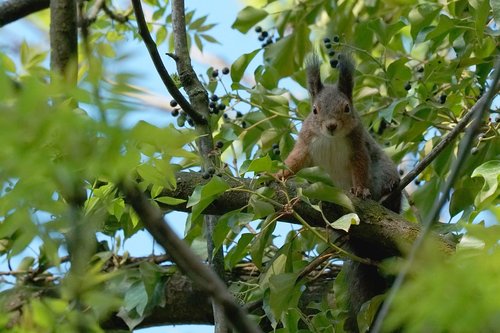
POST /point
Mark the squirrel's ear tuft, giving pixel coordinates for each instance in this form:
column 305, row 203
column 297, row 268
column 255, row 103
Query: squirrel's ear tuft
column 313, row 75
column 346, row 75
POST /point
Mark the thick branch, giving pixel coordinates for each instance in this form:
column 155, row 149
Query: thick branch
column 380, row 228
column 64, row 39
column 14, row 10
column 160, row 68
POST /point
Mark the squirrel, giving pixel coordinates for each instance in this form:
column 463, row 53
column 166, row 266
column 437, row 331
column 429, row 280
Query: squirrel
column 333, row 138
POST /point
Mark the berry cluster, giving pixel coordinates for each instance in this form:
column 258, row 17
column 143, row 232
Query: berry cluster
column 330, row 45
column 214, row 106
column 264, row 36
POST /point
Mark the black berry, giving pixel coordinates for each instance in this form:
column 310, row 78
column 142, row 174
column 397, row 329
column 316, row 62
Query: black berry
column 219, row 144
column 175, row 112
column 442, row 98
column 226, row 116
column 243, row 124
column 336, row 39
column 275, row 146
column 326, row 40
column 214, row 98
column 239, row 114
column 190, row 122
column 261, row 38
column 331, row 54
column 215, row 73
column 328, row 45
column 212, row 105
column 401, row 172
column 221, row 106
column 407, row 86
column 264, row 34
column 334, row 63
column 173, row 103
column 417, row 182
column 225, row 71
column 420, row 69
column 258, row 29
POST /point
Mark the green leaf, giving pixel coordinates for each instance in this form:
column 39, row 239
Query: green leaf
column 227, row 223
column 204, row 195
column 240, row 250
column 345, row 222
column 240, row 65
column 248, row 17
column 368, row 311
column 421, row 16
column 136, row 298
column 315, row 174
column 490, row 171
column 328, row 193
column 281, row 287
column 170, row 201
column 258, row 165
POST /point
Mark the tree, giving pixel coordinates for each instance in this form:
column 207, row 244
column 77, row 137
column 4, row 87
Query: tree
column 425, row 81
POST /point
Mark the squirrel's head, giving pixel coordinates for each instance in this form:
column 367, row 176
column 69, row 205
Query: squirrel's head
column 332, row 107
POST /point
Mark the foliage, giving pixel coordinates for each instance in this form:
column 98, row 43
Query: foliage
column 421, row 65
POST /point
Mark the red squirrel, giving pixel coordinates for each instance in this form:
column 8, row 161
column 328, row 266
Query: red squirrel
column 333, row 138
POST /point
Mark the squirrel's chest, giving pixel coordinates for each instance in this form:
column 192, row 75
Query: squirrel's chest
column 333, row 155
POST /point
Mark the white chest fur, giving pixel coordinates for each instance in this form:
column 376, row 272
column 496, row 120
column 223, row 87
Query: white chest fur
column 333, row 156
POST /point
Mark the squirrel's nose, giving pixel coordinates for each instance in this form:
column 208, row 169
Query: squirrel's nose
column 331, row 127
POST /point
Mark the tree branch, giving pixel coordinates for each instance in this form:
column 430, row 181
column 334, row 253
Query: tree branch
column 160, row 68
column 14, row 10
column 379, row 227
column 188, row 262
column 64, row 39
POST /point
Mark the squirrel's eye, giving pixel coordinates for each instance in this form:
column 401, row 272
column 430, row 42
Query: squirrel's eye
column 347, row 108
column 315, row 109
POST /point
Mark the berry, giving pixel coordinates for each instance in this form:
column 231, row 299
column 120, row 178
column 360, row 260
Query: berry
column 226, row 116
column 214, row 98
column 420, row 69
column 336, row 39
column 243, row 124
column 212, row 105
column 401, row 172
column 261, row 38
column 175, row 112
column 328, row 45
column 275, row 146
column 205, row 175
column 239, row 114
column 215, row 73
column 417, row 182
column 221, row 106
column 407, row 86
column 264, row 34
column 331, row 54
column 326, row 40
column 258, row 29
column 276, row 151
column 442, row 98
column 190, row 122
column 219, row 144
column 334, row 63
column 474, row 150
column 173, row 103
column 225, row 71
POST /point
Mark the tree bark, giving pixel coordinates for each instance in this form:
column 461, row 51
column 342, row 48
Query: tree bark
column 14, row 10
column 386, row 231
column 64, row 39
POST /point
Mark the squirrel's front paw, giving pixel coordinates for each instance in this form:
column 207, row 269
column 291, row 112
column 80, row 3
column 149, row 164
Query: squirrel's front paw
column 283, row 174
column 361, row 192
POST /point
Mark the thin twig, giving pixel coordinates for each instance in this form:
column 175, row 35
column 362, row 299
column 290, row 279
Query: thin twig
column 478, row 110
column 410, row 176
column 160, row 67
column 186, row 260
